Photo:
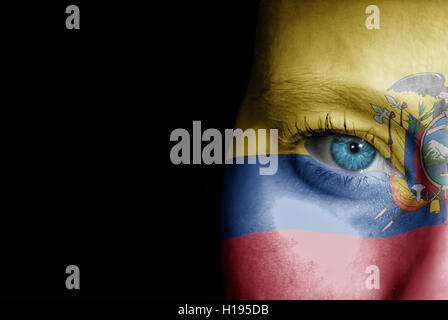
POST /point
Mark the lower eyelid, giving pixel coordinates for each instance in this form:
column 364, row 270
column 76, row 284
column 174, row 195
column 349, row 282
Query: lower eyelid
column 335, row 182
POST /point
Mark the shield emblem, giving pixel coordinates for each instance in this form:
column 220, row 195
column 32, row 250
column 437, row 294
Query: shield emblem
column 434, row 151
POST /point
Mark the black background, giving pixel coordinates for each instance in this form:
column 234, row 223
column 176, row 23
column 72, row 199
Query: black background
column 87, row 122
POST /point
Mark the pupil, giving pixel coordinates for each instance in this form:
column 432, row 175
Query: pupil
column 354, row 147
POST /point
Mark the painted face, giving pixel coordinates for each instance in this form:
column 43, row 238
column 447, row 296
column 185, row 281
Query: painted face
column 357, row 208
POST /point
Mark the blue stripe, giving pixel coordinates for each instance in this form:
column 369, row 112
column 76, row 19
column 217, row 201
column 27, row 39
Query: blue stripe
column 307, row 195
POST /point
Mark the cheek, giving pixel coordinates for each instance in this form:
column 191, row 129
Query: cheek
column 293, row 236
column 302, row 196
column 294, row 264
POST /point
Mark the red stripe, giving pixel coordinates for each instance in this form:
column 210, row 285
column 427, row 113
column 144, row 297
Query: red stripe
column 294, row 264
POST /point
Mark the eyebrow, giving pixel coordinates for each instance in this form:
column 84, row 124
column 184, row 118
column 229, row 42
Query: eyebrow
column 308, row 104
column 308, row 93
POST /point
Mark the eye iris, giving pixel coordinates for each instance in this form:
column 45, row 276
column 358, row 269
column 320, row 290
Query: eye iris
column 351, row 153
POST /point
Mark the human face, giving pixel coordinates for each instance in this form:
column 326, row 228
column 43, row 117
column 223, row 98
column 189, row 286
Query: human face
column 357, row 209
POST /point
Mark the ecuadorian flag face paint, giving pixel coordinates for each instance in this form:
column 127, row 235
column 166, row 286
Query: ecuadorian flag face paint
column 358, row 206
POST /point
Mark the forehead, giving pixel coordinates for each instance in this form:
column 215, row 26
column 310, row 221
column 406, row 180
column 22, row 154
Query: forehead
column 330, row 38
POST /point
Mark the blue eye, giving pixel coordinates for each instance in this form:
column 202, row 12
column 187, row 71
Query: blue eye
column 351, row 153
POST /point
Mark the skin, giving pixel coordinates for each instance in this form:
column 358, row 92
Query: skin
column 317, row 57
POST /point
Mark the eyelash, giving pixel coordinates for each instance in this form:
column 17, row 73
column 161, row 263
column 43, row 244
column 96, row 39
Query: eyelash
column 323, row 127
column 293, row 133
